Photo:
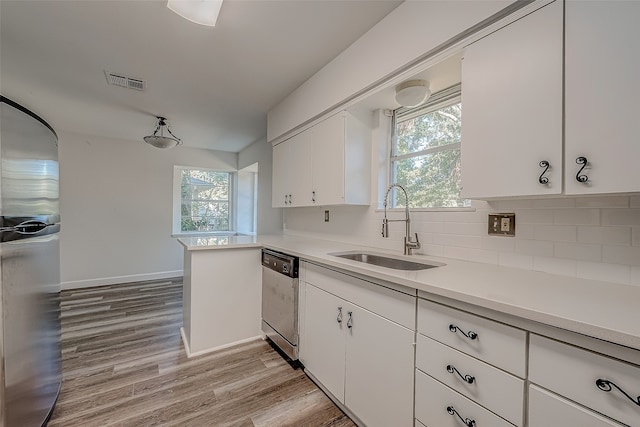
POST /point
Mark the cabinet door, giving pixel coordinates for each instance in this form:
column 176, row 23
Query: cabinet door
column 379, row 370
column 299, row 166
column 512, row 108
column 328, row 156
column 324, row 339
column 601, row 95
column 279, row 176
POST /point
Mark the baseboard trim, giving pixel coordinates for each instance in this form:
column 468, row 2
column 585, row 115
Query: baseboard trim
column 187, row 348
column 90, row 283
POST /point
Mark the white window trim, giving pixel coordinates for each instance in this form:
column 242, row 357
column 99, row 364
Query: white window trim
column 177, row 201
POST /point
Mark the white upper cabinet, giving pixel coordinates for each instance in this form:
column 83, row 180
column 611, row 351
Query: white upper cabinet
column 602, row 42
column 327, row 164
column 512, row 108
column 292, row 172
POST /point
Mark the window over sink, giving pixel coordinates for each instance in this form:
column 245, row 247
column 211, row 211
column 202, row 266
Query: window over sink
column 425, row 152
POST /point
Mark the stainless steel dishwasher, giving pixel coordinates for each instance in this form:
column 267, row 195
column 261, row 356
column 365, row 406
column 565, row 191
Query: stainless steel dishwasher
column 280, row 300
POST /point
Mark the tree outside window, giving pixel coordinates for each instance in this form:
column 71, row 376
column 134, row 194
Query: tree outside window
column 204, row 200
column 425, row 157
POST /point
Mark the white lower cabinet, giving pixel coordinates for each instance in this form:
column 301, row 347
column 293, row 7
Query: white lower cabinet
column 547, row 410
column 379, row 370
column 324, row 339
column 363, row 359
column 439, row 406
column 473, row 369
column 598, row 382
column 489, row 386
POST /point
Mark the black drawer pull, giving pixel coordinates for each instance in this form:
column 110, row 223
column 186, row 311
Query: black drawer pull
column 467, row 421
column 469, row 379
column 543, row 179
column 606, row 385
column 471, row 335
column 584, row 162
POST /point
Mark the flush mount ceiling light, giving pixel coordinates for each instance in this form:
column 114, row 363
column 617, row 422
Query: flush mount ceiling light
column 203, row 12
column 162, row 141
column 412, row 93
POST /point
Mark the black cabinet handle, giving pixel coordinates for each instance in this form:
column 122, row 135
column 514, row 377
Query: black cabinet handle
column 582, row 161
column 471, row 335
column 467, row 421
column 339, row 318
column 606, row 385
column 543, row 179
column 469, row 379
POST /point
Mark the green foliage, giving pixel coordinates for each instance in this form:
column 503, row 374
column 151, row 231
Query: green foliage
column 205, row 200
column 432, row 179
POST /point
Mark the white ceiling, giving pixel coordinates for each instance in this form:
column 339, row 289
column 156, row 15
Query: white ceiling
column 215, row 85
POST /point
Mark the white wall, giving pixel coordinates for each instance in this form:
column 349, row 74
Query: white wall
column 116, row 208
column 407, row 33
column 269, row 219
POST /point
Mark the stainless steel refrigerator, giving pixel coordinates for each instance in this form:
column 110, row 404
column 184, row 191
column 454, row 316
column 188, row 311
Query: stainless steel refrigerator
column 30, row 268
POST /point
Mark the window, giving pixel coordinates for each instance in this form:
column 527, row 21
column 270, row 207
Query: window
column 202, row 200
column 425, row 153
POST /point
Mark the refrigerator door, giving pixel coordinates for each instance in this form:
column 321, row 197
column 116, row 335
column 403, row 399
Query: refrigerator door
column 29, row 267
column 31, row 309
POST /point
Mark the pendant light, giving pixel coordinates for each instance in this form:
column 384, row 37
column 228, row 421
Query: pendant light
column 162, row 141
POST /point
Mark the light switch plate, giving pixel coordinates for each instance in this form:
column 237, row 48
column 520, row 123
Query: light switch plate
column 503, row 224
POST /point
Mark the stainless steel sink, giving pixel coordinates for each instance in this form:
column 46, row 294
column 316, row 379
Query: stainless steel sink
column 387, row 261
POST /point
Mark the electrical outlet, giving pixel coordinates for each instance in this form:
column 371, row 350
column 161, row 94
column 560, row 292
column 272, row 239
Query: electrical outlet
column 502, row 224
column 326, row 216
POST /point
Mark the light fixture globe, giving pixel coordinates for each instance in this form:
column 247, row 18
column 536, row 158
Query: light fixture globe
column 161, row 140
column 412, row 93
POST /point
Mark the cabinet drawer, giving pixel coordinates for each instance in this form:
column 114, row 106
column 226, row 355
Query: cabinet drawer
column 587, row 378
column 388, row 303
column 497, row 344
column 436, row 403
column 546, row 409
column 492, row 388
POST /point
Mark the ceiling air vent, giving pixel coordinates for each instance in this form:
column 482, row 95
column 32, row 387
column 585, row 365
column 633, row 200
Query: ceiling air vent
column 125, row 81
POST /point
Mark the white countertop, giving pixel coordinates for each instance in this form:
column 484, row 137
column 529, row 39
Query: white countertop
column 603, row 310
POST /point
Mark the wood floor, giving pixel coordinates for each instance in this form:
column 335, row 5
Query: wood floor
column 124, row 365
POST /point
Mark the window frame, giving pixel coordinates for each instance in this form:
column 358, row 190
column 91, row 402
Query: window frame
column 176, row 220
column 439, row 100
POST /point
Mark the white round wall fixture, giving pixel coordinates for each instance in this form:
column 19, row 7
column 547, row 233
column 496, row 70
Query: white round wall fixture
column 412, row 93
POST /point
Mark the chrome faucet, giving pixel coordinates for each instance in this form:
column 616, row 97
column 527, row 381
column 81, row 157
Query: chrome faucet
column 409, row 244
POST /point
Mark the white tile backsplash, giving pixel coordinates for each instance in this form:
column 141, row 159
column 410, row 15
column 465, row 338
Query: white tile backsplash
column 484, row 256
column 555, row 233
column 604, row 235
column 576, row 216
column 620, row 216
column 534, row 247
column 627, row 255
column 534, row 216
column 602, row 202
column 578, row 251
column 589, row 237
column 510, row 259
